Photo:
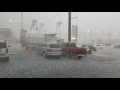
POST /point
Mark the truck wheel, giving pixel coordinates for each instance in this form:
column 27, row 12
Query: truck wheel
column 68, row 55
column 58, row 57
column 44, row 55
column 80, row 57
column 37, row 52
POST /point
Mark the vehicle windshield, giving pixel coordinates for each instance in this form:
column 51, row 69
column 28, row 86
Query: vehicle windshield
column 59, row 44
column 54, row 46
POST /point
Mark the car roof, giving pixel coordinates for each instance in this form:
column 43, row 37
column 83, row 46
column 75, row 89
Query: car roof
column 50, row 43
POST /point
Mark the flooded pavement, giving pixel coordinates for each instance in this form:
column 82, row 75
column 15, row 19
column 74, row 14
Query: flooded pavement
column 31, row 65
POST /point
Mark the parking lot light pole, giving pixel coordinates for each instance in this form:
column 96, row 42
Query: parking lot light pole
column 10, row 29
column 69, row 26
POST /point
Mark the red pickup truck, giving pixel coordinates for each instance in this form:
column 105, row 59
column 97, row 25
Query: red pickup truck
column 70, row 49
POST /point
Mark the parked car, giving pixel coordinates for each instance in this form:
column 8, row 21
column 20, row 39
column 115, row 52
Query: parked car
column 117, row 46
column 49, row 49
column 98, row 46
column 107, row 44
column 4, row 51
column 70, row 49
column 85, row 46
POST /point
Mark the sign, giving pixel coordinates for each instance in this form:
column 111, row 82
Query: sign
column 74, row 33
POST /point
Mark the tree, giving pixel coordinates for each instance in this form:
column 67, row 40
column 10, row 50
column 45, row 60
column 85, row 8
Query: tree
column 91, row 48
column 34, row 22
column 41, row 26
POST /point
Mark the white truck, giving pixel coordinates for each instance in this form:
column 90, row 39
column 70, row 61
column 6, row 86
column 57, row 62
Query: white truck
column 36, row 39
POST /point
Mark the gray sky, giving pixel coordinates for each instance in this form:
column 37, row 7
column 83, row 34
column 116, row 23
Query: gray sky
column 94, row 21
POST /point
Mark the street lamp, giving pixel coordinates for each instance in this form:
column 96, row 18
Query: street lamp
column 10, row 29
column 76, row 30
column 85, row 36
column 117, row 37
column 90, row 34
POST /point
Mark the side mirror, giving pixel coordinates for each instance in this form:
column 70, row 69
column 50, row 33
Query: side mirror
column 9, row 46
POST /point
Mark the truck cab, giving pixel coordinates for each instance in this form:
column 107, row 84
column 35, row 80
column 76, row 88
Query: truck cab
column 70, row 49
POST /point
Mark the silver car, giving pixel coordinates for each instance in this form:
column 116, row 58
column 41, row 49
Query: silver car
column 4, row 51
column 49, row 49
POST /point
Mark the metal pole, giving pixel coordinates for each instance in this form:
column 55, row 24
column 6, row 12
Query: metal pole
column 10, row 32
column 102, row 36
column 90, row 36
column 85, row 38
column 59, row 31
column 77, row 27
column 109, row 34
column 21, row 21
column 69, row 27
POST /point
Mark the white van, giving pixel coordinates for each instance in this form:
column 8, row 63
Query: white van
column 4, row 52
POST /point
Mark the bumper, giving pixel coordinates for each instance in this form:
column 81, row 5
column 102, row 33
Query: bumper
column 1, row 57
column 53, row 54
column 4, row 56
column 78, row 55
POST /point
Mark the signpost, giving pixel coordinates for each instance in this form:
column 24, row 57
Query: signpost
column 74, row 33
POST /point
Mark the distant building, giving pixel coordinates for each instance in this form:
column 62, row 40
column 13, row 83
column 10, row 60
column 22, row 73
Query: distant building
column 4, row 32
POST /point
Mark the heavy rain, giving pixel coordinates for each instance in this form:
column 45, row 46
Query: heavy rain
column 59, row 44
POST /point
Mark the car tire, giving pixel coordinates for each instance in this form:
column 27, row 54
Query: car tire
column 44, row 55
column 80, row 57
column 68, row 55
column 37, row 52
column 58, row 57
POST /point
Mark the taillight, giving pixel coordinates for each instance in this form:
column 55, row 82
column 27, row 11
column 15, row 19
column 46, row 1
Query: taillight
column 49, row 50
column 6, row 50
column 74, row 51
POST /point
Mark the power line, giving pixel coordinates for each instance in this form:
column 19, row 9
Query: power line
column 52, row 18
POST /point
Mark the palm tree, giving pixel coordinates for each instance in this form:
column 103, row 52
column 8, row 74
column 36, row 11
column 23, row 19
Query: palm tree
column 41, row 26
column 58, row 24
column 34, row 22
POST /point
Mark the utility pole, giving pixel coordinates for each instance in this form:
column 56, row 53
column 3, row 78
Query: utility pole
column 69, row 26
column 59, row 31
column 21, row 21
column 102, row 35
column 90, row 36
column 10, row 30
column 109, row 34
column 85, row 38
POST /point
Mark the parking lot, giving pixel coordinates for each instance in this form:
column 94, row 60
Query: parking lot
column 31, row 65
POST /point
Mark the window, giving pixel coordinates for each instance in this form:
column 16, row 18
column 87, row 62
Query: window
column 3, row 45
column 54, row 46
column 70, row 45
column 44, row 45
column 62, row 45
column 67, row 45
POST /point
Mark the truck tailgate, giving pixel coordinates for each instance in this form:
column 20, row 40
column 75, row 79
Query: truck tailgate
column 79, row 50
